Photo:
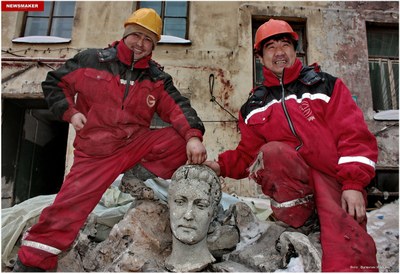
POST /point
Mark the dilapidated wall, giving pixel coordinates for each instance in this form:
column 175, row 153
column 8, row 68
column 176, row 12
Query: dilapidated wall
column 220, row 49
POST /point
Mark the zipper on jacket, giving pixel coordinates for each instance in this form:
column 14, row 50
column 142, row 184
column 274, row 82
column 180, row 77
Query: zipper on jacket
column 128, row 80
column 285, row 110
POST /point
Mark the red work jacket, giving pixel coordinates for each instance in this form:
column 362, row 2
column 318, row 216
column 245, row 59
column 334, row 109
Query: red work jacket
column 118, row 97
column 313, row 112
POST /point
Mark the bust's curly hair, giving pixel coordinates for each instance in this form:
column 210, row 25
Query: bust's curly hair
column 202, row 173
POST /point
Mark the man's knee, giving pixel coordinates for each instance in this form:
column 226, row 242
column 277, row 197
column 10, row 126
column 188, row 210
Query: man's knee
column 274, row 148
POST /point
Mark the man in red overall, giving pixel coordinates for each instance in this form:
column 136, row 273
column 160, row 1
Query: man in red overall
column 305, row 141
column 118, row 90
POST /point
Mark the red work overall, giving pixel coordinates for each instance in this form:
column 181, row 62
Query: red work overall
column 284, row 176
column 161, row 151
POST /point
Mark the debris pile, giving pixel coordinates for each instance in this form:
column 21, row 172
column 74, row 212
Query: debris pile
column 125, row 234
column 142, row 240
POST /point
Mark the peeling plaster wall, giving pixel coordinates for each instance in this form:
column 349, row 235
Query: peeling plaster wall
column 221, row 44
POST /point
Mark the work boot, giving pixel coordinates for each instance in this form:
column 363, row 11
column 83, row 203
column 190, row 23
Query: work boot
column 133, row 183
column 20, row 267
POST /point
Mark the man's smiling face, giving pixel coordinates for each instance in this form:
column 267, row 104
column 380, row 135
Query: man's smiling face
column 140, row 44
column 278, row 54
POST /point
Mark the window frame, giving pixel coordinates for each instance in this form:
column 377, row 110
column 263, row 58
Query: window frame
column 50, row 19
column 163, row 16
column 389, row 60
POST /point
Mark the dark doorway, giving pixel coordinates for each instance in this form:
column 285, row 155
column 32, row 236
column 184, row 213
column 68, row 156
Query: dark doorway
column 33, row 150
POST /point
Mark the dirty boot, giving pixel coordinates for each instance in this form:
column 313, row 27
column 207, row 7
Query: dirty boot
column 133, row 183
column 20, row 267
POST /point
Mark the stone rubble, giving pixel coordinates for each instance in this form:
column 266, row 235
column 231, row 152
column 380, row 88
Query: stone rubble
column 125, row 234
column 142, row 240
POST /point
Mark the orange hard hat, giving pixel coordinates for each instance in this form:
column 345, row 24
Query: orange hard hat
column 147, row 18
column 270, row 28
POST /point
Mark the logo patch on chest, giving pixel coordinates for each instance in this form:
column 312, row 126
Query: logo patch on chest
column 306, row 109
column 151, row 100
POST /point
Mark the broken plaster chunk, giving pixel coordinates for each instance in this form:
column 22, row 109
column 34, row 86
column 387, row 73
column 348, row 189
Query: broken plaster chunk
column 311, row 257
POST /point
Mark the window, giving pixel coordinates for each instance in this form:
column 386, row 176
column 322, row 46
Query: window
column 56, row 20
column 174, row 15
column 298, row 27
column 383, row 58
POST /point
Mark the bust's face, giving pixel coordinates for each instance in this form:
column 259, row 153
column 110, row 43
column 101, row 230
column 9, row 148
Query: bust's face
column 191, row 210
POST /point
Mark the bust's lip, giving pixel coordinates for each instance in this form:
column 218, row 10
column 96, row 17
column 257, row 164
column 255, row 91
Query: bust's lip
column 187, row 227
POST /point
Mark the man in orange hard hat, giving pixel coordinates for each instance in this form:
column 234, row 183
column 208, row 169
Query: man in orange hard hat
column 305, row 141
column 119, row 89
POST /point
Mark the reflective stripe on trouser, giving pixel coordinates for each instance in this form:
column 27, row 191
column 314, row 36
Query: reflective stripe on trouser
column 84, row 186
column 283, row 175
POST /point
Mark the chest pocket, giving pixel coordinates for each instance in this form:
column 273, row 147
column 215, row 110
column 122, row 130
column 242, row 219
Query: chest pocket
column 98, row 75
column 259, row 116
column 96, row 86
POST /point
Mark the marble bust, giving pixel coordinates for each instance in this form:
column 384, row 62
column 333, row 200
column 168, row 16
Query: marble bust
column 193, row 198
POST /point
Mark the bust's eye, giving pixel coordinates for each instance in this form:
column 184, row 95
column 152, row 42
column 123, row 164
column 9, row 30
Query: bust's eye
column 203, row 205
column 179, row 202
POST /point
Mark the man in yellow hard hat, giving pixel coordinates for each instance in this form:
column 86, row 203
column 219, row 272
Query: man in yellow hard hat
column 118, row 90
column 305, row 141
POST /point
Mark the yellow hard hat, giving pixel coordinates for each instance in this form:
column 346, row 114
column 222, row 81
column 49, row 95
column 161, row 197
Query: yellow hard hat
column 147, row 18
